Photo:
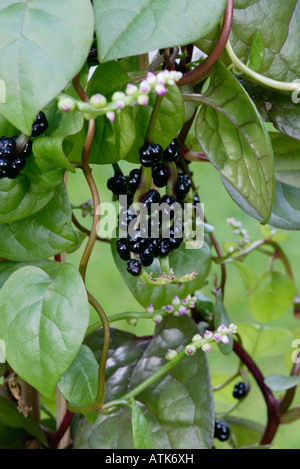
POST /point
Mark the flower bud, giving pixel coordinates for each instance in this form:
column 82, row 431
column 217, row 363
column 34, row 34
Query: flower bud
column 176, row 301
column 158, row 319
column 190, row 349
column 111, row 116
column 208, row 335
column 206, row 348
column 150, row 309
column 98, row 101
column 171, row 355
column 66, row 104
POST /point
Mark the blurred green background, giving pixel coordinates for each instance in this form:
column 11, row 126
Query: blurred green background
column 107, row 285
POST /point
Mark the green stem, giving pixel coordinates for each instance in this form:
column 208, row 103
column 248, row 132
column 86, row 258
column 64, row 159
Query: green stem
column 278, row 85
column 138, row 389
column 172, row 178
column 101, row 374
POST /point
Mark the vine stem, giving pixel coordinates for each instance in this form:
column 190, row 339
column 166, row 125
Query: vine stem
column 201, row 70
column 278, row 85
column 271, row 401
column 91, row 182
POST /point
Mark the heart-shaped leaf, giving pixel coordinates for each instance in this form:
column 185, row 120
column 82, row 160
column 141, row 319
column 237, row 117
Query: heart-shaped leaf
column 55, row 35
column 43, row 321
column 280, row 383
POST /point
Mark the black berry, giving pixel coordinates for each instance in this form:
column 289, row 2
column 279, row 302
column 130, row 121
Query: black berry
column 172, row 152
column 239, row 390
column 4, row 165
column 165, row 248
column 26, row 150
column 182, row 188
column 153, row 197
column 147, row 256
column 133, row 180
column 122, row 249
column 40, row 125
column 222, row 431
column 160, row 175
column 8, row 148
column 137, row 243
column 134, row 267
column 117, row 184
column 155, row 245
column 150, row 154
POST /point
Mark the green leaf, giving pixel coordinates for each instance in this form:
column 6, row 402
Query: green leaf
column 178, row 408
column 257, row 53
column 36, row 185
column 142, row 438
column 276, row 108
column 55, row 35
column 42, row 235
column 11, row 417
column 232, row 134
column 273, row 296
column 183, row 261
column 79, row 384
column 280, row 383
column 249, row 277
column 287, row 159
column 146, row 25
column 221, row 317
column 44, row 317
column 261, row 341
column 247, row 433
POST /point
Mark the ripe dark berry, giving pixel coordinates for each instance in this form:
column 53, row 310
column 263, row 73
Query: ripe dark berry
column 165, row 248
column 147, row 256
column 222, row 431
column 40, row 125
column 133, row 180
column 150, row 154
column 13, row 171
column 4, row 165
column 8, row 148
column 153, row 197
column 182, row 188
column 172, row 152
column 19, row 163
column 137, row 243
column 155, row 245
column 239, row 390
column 160, row 175
column 117, row 184
column 122, row 249
column 26, row 150
column 134, row 267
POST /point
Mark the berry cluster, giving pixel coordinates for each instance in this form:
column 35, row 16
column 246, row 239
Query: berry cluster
column 13, row 161
column 151, row 237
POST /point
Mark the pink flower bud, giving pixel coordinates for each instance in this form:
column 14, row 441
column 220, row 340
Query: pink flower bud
column 145, row 87
column 208, row 335
column 225, row 340
column 160, row 90
column 150, row 309
column 206, row 348
column 111, row 116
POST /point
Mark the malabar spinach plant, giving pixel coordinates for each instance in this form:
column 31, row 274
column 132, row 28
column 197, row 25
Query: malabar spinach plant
column 159, row 87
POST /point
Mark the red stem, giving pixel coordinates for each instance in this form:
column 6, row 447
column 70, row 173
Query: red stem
column 271, row 401
column 65, row 424
column 217, row 51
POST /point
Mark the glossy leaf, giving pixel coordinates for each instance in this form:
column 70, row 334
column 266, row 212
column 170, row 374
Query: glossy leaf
column 79, row 384
column 257, row 53
column 142, row 438
column 55, row 35
column 43, row 321
column 232, row 134
column 146, row 25
column 42, row 235
column 183, row 261
column 273, row 296
column 178, row 408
